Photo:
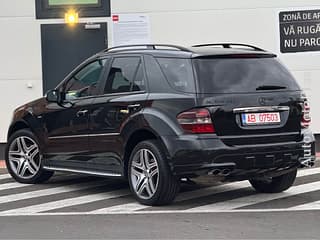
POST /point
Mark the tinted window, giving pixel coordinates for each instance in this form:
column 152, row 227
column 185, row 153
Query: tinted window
column 85, row 81
column 178, row 73
column 241, row 75
column 156, row 79
column 126, row 74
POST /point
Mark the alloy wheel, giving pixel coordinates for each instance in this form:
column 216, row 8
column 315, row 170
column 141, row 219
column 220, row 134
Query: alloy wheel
column 144, row 173
column 24, row 157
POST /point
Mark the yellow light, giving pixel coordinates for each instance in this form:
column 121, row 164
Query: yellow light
column 71, row 17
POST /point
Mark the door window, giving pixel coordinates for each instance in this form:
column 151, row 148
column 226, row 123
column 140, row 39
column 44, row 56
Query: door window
column 126, row 75
column 85, row 81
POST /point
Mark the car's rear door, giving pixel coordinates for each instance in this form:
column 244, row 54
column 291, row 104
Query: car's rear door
column 123, row 96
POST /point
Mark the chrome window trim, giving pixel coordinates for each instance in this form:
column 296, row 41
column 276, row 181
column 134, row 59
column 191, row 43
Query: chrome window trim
column 120, row 94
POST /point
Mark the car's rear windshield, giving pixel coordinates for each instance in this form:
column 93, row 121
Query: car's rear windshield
column 241, row 75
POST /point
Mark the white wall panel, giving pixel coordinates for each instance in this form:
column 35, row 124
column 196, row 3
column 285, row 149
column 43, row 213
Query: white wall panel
column 13, row 94
column 183, row 22
column 20, row 49
column 20, row 61
column 124, row 6
column 17, row 8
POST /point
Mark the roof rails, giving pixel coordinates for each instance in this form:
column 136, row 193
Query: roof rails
column 146, row 47
column 229, row 45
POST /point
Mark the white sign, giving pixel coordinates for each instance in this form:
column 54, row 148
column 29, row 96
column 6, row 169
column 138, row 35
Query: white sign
column 131, row 29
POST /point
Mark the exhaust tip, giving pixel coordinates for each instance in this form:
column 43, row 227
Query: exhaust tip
column 215, row 172
column 225, row 172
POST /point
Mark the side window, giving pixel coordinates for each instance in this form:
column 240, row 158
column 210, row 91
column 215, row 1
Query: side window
column 126, row 75
column 85, row 81
column 178, row 73
column 156, row 79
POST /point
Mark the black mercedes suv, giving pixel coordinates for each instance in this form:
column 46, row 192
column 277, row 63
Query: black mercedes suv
column 155, row 114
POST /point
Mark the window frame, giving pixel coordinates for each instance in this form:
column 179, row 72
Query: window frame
column 61, row 87
column 108, row 71
column 45, row 11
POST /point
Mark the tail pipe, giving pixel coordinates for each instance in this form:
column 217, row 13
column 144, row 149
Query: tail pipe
column 223, row 172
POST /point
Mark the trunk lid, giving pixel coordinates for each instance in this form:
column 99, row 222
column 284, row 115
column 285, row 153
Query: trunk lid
column 251, row 100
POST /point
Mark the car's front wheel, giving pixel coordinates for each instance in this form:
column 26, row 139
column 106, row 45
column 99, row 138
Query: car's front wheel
column 150, row 178
column 24, row 158
column 274, row 184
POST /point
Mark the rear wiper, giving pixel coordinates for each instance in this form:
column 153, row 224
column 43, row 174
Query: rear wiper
column 270, row 87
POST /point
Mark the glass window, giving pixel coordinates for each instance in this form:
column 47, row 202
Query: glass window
column 126, row 74
column 71, row 2
column 239, row 75
column 85, row 81
column 178, row 73
column 139, row 82
column 156, row 79
column 46, row 9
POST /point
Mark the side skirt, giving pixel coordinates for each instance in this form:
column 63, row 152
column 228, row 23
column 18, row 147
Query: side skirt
column 95, row 173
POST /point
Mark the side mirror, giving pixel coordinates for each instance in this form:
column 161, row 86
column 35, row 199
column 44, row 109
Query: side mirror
column 54, row 96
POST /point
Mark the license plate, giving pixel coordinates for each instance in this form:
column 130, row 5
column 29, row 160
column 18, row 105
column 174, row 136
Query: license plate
column 260, row 118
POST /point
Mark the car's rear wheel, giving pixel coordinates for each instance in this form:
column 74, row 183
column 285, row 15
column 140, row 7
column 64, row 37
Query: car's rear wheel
column 150, row 178
column 24, row 158
column 275, row 184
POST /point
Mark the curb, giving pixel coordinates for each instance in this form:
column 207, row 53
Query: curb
column 3, row 164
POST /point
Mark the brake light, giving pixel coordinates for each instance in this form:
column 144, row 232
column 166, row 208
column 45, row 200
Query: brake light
column 196, row 121
column 306, row 118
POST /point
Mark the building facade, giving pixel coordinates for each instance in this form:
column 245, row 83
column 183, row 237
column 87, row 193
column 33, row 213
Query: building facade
column 29, row 41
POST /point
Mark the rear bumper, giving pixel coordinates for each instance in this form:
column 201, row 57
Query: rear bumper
column 208, row 155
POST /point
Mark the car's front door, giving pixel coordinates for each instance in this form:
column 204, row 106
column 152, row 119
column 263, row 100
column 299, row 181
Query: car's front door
column 124, row 95
column 66, row 124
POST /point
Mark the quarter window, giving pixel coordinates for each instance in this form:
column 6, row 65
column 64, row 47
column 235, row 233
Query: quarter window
column 85, row 81
column 126, row 75
column 178, row 73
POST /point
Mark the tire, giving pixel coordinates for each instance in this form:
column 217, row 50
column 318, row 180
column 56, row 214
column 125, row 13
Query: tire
column 150, row 178
column 24, row 158
column 276, row 184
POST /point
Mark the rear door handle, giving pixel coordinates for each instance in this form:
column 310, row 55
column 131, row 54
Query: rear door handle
column 82, row 113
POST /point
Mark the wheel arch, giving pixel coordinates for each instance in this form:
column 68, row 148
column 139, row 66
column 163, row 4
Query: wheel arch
column 16, row 126
column 28, row 121
column 149, row 124
column 136, row 137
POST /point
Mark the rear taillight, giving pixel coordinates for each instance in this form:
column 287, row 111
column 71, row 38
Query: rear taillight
column 196, row 121
column 306, row 118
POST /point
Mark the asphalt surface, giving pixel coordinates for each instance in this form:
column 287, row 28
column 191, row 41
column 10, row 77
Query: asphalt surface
column 74, row 206
column 275, row 225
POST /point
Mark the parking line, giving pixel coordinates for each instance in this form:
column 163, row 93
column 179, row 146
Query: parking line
column 259, row 198
column 4, row 176
column 308, row 171
column 66, row 202
column 311, row 205
column 50, row 191
column 6, row 186
column 130, row 207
